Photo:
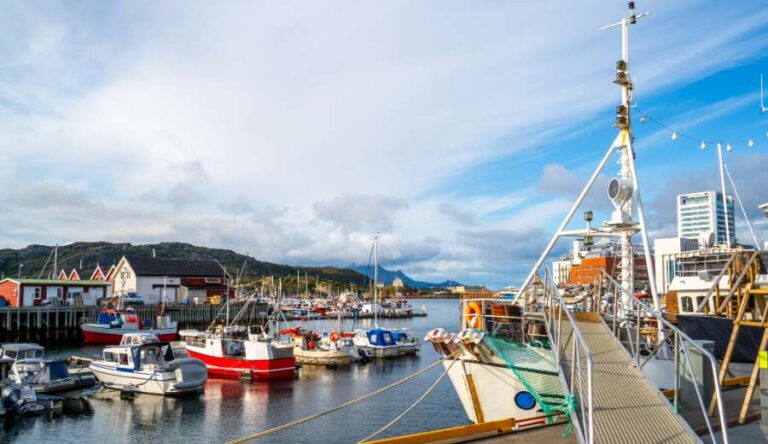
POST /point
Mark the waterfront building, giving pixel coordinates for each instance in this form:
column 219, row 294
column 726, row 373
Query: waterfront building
column 704, row 212
column 666, row 252
column 76, row 274
column 33, row 292
column 180, row 280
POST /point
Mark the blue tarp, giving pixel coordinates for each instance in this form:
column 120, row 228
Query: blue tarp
column 380, row 337
column 399, row 336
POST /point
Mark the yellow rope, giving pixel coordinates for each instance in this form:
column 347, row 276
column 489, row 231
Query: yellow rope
column 288, row 425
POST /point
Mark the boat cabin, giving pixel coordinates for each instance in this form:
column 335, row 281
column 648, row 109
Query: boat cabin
column 379, row 337
column 21, row 351
column 137, row 350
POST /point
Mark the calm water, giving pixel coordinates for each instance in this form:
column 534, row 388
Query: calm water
column 231, row 409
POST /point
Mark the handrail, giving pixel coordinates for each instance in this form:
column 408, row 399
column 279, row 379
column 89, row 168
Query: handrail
column 678, row 335
column 574, row 385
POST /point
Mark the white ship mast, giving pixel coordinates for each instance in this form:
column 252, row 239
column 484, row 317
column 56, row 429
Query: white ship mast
column 623, row 190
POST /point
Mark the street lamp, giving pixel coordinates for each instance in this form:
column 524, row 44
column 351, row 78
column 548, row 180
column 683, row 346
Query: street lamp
column 20, row 267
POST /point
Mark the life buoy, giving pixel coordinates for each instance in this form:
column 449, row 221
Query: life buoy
column 334, row 337
column 473, row 316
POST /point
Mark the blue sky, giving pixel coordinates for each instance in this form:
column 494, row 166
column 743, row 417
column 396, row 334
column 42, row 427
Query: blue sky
column 293, row 131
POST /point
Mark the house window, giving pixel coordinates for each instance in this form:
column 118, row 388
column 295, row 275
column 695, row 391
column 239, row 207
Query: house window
column 212, row 280
column 38, row 293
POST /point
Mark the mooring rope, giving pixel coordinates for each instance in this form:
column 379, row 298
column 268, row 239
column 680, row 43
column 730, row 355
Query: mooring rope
column 288, row 425
column 408, row 410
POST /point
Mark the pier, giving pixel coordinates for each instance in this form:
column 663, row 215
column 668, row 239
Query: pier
column 46, row 324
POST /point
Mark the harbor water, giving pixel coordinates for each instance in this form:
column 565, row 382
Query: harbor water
column 232, row 409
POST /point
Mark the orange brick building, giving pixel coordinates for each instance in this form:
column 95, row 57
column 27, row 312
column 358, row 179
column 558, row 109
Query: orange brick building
column 591, row 267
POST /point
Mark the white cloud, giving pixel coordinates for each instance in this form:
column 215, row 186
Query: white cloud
column 295, row 130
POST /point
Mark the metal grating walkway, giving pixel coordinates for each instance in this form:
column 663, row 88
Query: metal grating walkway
column 628, row 408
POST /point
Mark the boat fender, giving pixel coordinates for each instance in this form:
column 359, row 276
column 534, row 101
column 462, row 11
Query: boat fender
column 334, row 337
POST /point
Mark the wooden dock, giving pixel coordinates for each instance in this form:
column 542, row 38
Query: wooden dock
column 61, row 325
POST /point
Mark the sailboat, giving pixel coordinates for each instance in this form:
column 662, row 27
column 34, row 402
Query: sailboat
column 379, row 342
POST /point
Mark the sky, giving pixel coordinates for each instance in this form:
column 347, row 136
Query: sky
column 293, row 131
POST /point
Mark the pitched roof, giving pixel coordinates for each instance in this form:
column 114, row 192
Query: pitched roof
column 58, row 282
column 147, row 266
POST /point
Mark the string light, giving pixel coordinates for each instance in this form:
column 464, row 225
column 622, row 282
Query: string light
column 702, row 143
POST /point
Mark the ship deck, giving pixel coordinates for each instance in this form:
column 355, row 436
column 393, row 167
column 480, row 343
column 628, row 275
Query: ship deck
column 627, row 407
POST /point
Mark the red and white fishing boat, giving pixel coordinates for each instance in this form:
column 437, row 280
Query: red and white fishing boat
column 112, row 324
column 241, row 352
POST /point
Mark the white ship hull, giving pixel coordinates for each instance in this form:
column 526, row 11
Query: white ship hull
column 495, row 388
column 160, row 383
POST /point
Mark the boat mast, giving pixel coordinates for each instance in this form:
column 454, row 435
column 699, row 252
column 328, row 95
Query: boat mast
column 624, row 190
column 375, row 281
column 725, row 199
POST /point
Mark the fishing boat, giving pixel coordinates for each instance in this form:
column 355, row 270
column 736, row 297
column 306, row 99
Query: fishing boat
column 111, row 325
column 378, row 342
column 314, row 349
column 406, row 344
column 113, row 322
column 48, row 376
column 239, row 351
column 143, row 363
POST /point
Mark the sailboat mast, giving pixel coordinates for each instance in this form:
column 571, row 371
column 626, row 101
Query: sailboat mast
column 376, row 281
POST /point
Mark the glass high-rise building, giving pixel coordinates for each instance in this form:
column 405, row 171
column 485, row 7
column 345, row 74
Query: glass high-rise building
column 703, row 212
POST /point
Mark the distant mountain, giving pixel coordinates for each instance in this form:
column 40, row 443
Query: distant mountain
column 388, row 276
column 36, row 258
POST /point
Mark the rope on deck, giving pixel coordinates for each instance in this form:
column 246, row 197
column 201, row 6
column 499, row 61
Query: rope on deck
column 288, row 425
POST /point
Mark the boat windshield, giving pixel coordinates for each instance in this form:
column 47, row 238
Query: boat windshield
column 156, row 354
column 27, row 370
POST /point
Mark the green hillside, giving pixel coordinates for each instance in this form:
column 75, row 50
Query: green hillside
column 35, row 257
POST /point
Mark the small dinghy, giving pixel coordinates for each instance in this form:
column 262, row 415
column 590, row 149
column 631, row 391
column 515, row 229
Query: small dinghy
column 144, row 364
column 310, row 348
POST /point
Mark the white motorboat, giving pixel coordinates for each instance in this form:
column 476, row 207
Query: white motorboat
column 142, row 363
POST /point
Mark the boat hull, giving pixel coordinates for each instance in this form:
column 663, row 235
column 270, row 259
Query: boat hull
column 495, row 387
column 382, row 352
column 322, row 357
column 140, row 382
column 234, row 368
column 101, row 334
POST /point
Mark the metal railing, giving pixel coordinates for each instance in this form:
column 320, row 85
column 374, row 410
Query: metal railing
column 633, row 320
column 574, row 359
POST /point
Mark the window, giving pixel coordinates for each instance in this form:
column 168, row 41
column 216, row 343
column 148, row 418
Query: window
column 38, row 294
column 123, row 359
column 687, row 303
column 111, row 357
